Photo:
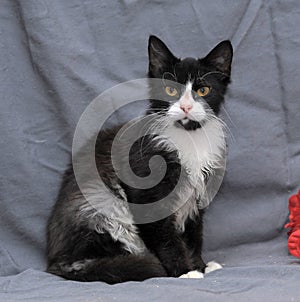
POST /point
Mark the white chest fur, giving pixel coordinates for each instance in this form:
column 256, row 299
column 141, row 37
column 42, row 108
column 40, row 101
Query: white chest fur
column 199, row 151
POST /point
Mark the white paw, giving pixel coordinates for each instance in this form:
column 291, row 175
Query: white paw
column 212, row 266
column 192, row 275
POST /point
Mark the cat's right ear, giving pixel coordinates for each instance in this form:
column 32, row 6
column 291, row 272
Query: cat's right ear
column 160, row 57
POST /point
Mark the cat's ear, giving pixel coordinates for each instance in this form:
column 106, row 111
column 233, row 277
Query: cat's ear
column 221, row 57
column 160, row 57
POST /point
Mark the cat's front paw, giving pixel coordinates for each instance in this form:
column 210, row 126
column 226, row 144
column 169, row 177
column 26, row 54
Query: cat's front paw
column 212, row 266
column 192, row 275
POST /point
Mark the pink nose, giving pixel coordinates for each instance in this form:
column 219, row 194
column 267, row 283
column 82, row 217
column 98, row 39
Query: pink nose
column 186, row 107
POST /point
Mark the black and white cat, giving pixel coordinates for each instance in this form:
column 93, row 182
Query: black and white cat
column 103, row 243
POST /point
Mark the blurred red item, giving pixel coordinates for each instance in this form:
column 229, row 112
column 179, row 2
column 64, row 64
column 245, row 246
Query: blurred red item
column 294, row 225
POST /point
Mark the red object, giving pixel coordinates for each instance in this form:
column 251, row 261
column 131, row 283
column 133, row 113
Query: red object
column 294, row 225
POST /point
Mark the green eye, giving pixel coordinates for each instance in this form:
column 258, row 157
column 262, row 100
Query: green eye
column 203, row 91
column 171, row 91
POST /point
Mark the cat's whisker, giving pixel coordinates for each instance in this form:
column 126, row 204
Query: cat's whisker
column 213, row 72
column 152, row 127
column 157, row 117
column 213, row 117
column 136, row 121
column 208, row 139
column 231, row 121
column 158, row 126
column 158, row 110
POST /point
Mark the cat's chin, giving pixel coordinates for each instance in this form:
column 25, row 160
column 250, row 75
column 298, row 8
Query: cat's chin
column 187, row 124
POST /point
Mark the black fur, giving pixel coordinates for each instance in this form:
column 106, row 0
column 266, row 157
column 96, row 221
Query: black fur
column 78, row 250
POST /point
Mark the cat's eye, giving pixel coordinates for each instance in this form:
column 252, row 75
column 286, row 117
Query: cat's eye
column 203, row 91
column 171, row 91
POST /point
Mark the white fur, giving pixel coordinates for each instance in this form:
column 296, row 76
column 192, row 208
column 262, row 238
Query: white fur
column 212, row 266
column 106, row 212
column 192, row 275
column 199, row 150
column 189, row 209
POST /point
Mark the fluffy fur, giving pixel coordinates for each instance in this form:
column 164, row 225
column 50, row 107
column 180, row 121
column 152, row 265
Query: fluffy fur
column 100, row 241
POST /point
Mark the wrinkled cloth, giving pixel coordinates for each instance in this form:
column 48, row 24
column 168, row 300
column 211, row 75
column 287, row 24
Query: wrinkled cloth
column 57, row 56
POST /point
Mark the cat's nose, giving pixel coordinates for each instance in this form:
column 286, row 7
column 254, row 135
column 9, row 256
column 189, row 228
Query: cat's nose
column 186, row 107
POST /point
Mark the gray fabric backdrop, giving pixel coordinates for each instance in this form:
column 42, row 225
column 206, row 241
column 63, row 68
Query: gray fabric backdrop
column 56, row 56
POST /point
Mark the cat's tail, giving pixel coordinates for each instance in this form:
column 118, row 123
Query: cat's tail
column 110, row 270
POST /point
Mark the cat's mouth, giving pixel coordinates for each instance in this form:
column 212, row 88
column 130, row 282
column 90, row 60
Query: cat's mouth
column 187, row 124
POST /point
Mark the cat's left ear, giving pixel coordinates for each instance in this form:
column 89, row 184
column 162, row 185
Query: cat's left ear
column 221, row 57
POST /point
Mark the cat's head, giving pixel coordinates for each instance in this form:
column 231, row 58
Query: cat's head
column 192, row 90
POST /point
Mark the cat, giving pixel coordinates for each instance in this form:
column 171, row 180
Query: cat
column 103, row 242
